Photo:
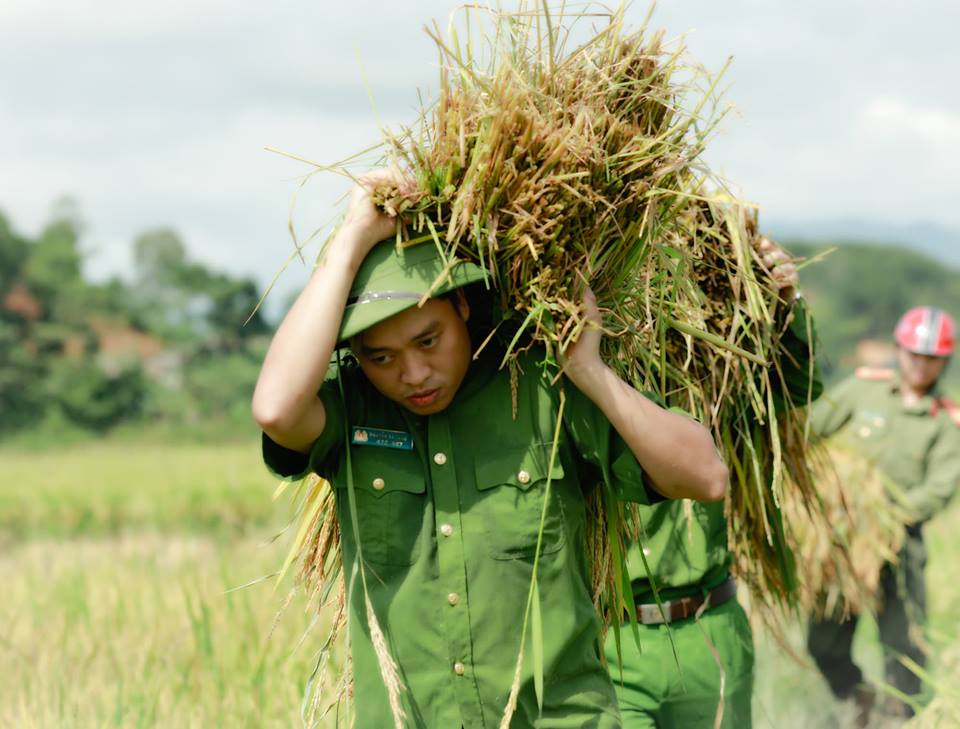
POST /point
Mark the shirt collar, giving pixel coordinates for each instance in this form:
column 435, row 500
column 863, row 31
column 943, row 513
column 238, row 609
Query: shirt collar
column 480, row 372
column 927, row 404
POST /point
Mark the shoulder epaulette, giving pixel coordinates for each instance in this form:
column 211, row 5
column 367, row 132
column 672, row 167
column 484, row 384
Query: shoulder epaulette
column 950, row 407
column 880, row 374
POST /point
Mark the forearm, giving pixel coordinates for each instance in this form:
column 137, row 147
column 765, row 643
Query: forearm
column 285, row 402
column 676, row 453
column 931, row 497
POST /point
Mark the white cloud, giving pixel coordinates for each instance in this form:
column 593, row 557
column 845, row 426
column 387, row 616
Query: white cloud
column 156, row 114
column 892, row 117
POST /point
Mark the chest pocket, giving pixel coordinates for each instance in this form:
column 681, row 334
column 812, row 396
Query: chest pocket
column 391, row 502
column 512, row 485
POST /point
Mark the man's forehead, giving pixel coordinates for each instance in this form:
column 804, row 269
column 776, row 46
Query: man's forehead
column 404, row 326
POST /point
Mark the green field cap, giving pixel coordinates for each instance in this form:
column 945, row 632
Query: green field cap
column 390, row 281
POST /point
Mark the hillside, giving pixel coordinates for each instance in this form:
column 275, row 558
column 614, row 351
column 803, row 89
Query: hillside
column 859, row 291
column 937, row 241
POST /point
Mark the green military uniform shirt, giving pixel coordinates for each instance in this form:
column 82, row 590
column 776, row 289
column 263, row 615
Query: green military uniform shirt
column 685, row 546
column 448, row 531
column 917, row 447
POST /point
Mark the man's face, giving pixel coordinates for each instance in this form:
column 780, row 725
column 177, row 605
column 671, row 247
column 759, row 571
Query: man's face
column 419, row 357
column 920, row 371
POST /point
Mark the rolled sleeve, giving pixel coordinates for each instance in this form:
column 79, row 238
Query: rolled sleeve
column 324, row 452
column 801, row 380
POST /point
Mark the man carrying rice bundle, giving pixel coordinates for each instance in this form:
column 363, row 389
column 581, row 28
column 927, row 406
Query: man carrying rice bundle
column 685, row 552
column 458, row 486
column 901, row 420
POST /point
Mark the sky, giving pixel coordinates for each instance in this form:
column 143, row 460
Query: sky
column 157, row 114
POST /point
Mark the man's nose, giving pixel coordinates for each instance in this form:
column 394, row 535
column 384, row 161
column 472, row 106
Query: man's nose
column 415, row 369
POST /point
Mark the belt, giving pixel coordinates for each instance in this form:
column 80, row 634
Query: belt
column 685, row 607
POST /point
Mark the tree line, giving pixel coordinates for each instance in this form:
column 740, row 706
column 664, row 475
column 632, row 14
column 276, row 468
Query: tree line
column 177, row 343
column 180, row 344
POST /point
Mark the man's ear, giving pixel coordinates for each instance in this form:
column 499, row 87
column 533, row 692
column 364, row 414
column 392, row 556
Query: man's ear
column 462, row 305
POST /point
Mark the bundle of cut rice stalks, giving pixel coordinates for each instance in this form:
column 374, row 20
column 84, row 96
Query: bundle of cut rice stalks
column 867, row 515
column 554, row 166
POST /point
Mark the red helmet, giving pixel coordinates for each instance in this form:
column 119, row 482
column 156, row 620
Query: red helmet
column 925, row 330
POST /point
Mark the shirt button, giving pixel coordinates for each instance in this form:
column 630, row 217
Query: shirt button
column 864, row 431
column 646, row 551
column 459, row 668
column 523, row 477
column 446, row 530
column 439, row 458
column 453, row 598
column 379, row 483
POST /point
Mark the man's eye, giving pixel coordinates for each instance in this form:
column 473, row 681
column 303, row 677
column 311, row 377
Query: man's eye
column 428, row 342
column 381, row 359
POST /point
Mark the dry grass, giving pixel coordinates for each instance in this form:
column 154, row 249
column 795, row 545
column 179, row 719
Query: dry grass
column 840, row 567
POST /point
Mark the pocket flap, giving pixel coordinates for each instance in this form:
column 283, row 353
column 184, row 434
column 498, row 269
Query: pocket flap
column 523, row 467
column 388, row 473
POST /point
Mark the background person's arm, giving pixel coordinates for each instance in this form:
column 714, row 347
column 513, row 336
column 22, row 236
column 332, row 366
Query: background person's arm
column 285, row 402
column 942, row 478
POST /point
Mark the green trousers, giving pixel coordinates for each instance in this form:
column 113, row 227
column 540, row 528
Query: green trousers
column 655, row 693
column 902, row 609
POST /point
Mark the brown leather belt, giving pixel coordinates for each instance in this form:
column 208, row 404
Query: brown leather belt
column 685, row 607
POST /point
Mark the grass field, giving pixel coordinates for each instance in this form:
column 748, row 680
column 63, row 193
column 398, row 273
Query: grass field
column 117, row 566
column 118, row 561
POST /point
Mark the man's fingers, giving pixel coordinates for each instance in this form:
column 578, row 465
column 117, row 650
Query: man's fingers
column 784, row 269
column 785, row 275
column 775, row 257
column 372, row 179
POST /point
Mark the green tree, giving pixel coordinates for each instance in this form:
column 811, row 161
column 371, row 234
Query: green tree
column 185, row 300
column 13, row 253
column 858, row 291
column 94, row 399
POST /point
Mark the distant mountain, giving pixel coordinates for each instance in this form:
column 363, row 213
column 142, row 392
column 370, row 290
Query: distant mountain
column 934, row 240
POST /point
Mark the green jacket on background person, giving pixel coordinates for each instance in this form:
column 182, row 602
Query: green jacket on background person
column 902, row 422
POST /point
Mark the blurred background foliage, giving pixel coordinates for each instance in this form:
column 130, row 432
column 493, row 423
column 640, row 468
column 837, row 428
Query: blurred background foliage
column 178, row 345
column 857, row 291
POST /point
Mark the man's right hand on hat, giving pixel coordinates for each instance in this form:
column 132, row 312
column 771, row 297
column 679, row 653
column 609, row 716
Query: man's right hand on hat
column 365, row 224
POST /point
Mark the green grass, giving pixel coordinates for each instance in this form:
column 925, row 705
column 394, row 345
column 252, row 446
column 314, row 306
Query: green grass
column 111, row 487
column 140, row 631
column 116, row 563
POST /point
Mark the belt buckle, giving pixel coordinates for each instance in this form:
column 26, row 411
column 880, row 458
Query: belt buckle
column 651, row 614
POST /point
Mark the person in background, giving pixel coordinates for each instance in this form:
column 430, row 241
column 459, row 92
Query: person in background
column 901, row 420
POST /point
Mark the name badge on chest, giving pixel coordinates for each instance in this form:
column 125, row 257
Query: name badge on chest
column 382, row 438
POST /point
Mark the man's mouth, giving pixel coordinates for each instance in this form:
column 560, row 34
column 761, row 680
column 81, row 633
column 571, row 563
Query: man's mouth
column 424, row 397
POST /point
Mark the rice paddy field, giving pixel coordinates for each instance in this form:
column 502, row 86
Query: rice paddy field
column 118, row 563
